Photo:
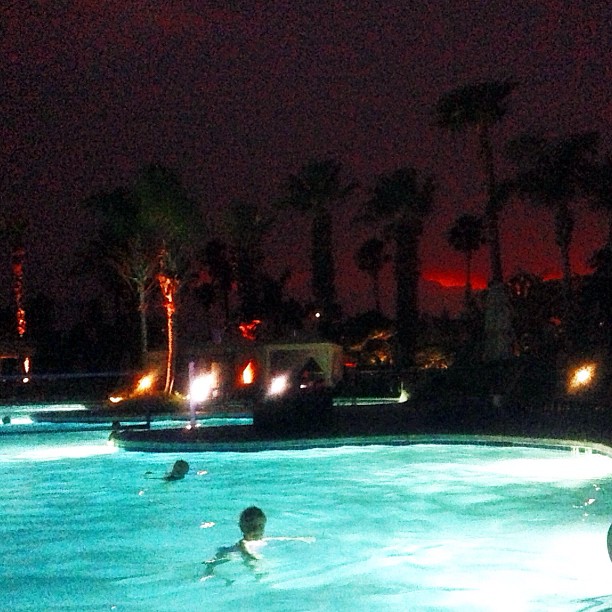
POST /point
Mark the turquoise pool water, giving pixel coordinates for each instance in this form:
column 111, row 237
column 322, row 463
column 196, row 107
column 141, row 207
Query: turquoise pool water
column 424, row 527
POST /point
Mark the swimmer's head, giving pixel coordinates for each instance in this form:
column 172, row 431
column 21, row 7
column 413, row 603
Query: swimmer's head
column 179, row 469
column 252, row 523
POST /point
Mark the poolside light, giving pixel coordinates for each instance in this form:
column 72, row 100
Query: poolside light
column 581, row 377
column 278, row 384
column 248, row 374
column 26, row 370
column 144, row 384
column 201, row 387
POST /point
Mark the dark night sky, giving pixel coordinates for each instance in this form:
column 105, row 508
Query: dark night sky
column 236, row 95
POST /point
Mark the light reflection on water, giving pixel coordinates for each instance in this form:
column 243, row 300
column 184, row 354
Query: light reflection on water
column 388, row 528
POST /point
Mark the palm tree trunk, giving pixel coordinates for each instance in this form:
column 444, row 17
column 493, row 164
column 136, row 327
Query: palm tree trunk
column 169, row 288
column 498, row 324
column 376, row 291
column 564, row 229
column 323, row 282
column 491, row 209
column 468, row 280
column 407, row 278
column 170, row 358
column 144, row 335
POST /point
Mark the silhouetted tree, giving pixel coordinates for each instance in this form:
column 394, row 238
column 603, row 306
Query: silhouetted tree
column 217, row 260
column 402, row 201
column 466, row 235
column 371, row 258
column 247, row 226
column 480, row 106
column 554, row 174
column 171, row 222
column 599, row 188
column 122, row 250
column 315, row 189
column 146, row 238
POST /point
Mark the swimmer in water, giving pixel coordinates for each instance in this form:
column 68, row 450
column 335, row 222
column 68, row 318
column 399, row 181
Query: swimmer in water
column 178, row 471
column 252, row 523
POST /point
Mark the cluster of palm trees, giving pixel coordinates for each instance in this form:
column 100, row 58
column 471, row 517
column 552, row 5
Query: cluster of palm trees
column 146, row 237
column 553, row 173
column 149, row 234
column 153, row 237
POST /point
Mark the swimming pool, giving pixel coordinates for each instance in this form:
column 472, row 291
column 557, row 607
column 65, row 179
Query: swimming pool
column 422, row 527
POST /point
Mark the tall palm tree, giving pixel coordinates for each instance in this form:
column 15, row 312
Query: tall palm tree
column 217, row 260
column 370, row 258
column 315, row 189
column 171, row 222
column 480, row 106
column 466, row 235
column 146, row 237
column 403, row 201
column 554, row 174
column 599, row 189
column 247, row 226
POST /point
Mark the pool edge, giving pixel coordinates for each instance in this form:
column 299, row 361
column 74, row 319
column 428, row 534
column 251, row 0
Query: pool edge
column 142, row 441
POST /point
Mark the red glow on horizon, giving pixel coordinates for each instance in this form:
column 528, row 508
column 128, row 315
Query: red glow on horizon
column 454, row 278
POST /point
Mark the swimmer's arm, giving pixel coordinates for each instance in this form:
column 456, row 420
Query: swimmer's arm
column 219, row 559
column 306, row 539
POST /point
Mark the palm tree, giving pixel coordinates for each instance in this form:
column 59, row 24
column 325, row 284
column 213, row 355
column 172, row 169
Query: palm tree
column 247, row 226
column 146, row 238
column 370, row 258
column 466, row 235
column 554, row 174
column 216, row 258
column 121, row 250
column 315, row 190
column 171, row 222
column 402, row 201
column 481, row 106
column 599, row 188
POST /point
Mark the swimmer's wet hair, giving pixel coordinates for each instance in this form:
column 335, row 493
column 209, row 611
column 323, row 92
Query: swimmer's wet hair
column 250, row 513
column 181, row 466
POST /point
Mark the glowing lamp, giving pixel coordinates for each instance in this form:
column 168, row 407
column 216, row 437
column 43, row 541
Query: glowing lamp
column 144, row 384
column 581, row 377
column 201, row 387
column 278, row 385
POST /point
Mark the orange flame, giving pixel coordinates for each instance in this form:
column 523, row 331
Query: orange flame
column 248, row 374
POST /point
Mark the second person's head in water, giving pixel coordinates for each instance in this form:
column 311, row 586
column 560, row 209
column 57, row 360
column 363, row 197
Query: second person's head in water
column 179, row 469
